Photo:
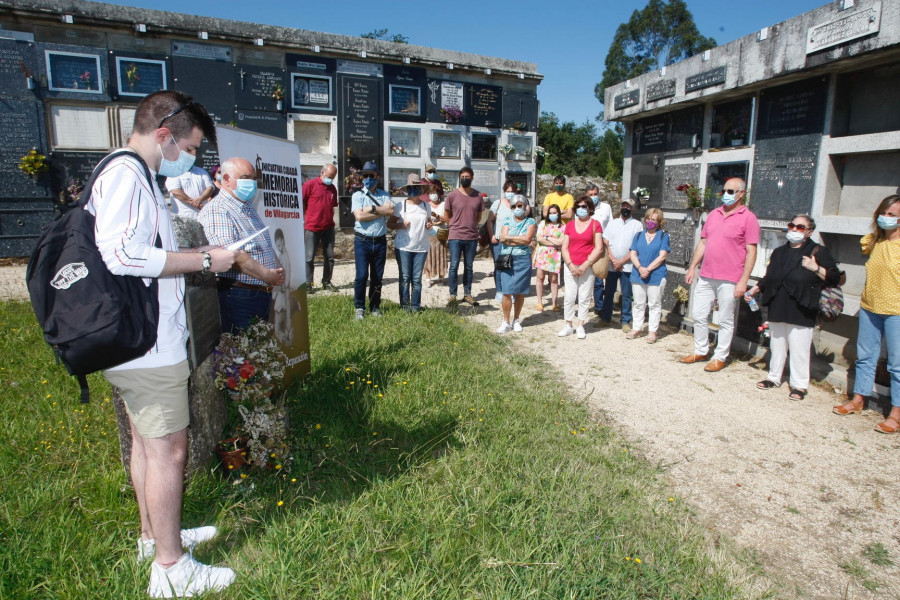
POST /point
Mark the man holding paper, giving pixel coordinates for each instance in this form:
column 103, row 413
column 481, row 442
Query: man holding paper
column 245, row 292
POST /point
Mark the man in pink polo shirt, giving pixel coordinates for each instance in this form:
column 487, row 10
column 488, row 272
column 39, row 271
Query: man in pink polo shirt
column 728, row 250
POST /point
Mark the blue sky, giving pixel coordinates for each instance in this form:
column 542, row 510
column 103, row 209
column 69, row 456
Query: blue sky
column 567, row 39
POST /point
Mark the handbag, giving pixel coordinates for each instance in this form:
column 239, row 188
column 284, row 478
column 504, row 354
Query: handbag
column 503, row 262
column 831, row 299
column 600, row 267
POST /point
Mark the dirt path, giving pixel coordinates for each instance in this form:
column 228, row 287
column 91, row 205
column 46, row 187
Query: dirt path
column 814, row 497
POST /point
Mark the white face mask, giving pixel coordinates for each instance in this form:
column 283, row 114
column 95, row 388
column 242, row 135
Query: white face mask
column 795, row 237
column 433, row 197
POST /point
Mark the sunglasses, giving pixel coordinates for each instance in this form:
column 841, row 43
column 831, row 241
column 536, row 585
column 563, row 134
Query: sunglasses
column 733, row 191
column 174, row 112
column 581, row 206
column 797, row 226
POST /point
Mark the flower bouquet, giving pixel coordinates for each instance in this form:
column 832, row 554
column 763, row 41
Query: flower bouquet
column 696, row 196
column 681, row 294
column 641, row 192
column 452, row 114
column 508, row 149
column 34, row 163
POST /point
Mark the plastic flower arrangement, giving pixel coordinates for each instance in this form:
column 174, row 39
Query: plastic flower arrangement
column 397, row 149
column 132, row 75
column 696, row 196
column 354, row 181
column 34, row 163
column 681, row 294
column 539, row 151
column 452, row 114
column 640, row 192
column 250, row 364
column 278, row 93
column 507, row 149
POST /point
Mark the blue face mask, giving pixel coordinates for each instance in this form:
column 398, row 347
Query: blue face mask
column 431, row 175
column 175, row 168
column 412, row 192
column 594, row 199
column 518, row 212
column 370, row 182
column 581, row 213
column 509, row 195
column 729, row 199
column 327, row 180
column 887, row 223
column 553, row 217
column 245, row 190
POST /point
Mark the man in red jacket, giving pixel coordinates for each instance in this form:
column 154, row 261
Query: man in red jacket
column 319, row 202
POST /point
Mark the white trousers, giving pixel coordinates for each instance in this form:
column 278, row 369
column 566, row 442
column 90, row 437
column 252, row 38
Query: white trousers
column 794, row 340
column 579, row 290
column 645, row 293
column 706, row 292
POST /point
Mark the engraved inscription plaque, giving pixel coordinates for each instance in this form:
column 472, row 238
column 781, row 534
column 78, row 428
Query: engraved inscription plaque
column 705, row 79
column 681, row 240
column 784, row 176
column 793, row 109
column 676, row 175
column 627, row 99
column 664, row 88
column 850, row 26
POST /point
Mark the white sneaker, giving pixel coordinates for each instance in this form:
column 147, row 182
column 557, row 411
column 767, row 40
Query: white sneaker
column 517, row 327
column 579, row 331
column 189, row 539
column 567, row 330
column 187, row 578
column 505, row 327
column 360, row 314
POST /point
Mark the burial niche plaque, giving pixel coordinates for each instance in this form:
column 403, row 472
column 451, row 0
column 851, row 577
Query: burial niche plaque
column 793, row 109
column 484, row 146
column 255, row 86
column 676, row 175
column 664, row 88
column 361, row 124
column 139, row 77
column 627, row 99
column 485, row 105
column 784, row 176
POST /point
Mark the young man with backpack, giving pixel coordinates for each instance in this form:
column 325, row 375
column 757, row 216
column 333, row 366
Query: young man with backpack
column 131, row 215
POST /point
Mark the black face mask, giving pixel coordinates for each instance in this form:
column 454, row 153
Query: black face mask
column 626, row 212
column 465, row 182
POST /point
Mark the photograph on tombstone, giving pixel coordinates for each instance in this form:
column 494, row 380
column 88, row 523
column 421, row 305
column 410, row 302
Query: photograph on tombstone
column 138, row 77
column 73, row 72
column 311, row 92
column 279, row 205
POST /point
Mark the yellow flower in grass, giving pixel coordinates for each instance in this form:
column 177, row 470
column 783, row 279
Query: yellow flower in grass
column 294, row 480
column 281, row 503
column 381, row 395
column 277, row 467
column 318, row 426
column 243, row 476
column 637, row 560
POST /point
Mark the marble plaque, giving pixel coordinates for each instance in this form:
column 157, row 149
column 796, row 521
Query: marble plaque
column 664, row 88
column 681, row 240
column 254, row 86
column 794, row 109
column 360, row 129
column 201, row 304
column 650, row 135
column 784, row 172
column 17, row 59
column 627, row 99
column 485, row 107
column 676, row 175
column 520, row 110
column 20, row 131
column 850, row 25
column 705, row 79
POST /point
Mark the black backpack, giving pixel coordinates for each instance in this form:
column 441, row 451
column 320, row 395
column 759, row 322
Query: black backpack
column 91, row 318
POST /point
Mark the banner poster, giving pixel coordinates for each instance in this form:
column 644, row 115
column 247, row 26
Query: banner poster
column 280, row 206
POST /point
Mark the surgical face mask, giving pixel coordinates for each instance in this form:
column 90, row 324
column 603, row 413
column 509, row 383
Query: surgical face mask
column 625, row 212
column 327, row 180
column 180, row 166
column 887, row 223
column 729, row 199
column 431, row 175
column 559, row 188
column 581, row 213
column 594, row 199
column 370, row 182
column 412, row 192
column 518, row 212
column 245, row 189
column 795, row 237
column 553, row 217
column 509, row 195
column 433, row 197
column 465, row 182
column 651, row 225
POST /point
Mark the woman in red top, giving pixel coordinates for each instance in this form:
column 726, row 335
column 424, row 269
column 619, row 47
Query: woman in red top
column 582, row 245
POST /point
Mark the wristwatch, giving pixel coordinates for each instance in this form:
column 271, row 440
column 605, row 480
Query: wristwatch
column 207, row 262
column 372, row 209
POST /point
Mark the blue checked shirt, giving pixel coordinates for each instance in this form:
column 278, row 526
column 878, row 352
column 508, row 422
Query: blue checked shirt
column 226, row 220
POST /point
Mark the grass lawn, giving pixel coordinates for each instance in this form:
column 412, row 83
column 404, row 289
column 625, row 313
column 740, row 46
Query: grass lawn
column 430, row 463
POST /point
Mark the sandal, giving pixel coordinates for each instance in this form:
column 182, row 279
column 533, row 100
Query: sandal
column 651, row 337
column 766, row 384
column 797, row 394
column 883, row 427
column 539, row 307
column 844, row 411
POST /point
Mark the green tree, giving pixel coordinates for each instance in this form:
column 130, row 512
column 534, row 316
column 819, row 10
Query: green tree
column 578, row 150
column 382, row 34
column 662, row 33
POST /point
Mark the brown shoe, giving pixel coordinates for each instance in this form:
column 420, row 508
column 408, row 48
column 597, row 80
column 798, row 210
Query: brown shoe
column 849, row 408
column 714, row 365
column 693, row 358
column 470, row 300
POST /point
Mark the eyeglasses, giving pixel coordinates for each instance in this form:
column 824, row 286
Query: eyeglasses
column 797, row 226
column 174, row 112
column 733, row 191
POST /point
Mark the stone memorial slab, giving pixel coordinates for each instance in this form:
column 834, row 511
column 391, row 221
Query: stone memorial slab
column 202, row 79
column 794, row 109
column 254, row 86
column 685, row 129
column 487, row 182
column 484, row 146
column 201, row 303
column 360, row 131
column 664, row 88
column 205, row 51
column 21, row 221
column 627, row 99
column 441, row 93
column 138, row 75
column 261, row 121
column 405, row 93
column 784, row 176
column 646, row 173
column 681, row 240
column 66, row 166
column 705, row 79
column 445, row 144
column 18, row 61
column 674, row 176
column 302, row 63
column 355, row 67
column 673, row 280
column 650, row 135
column 849, row 26
column 74, row 72
column 21, row 128
column 520, row 110
column 485, row 105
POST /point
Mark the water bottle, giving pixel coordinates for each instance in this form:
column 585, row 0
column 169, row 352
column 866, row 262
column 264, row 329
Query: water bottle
column 751, row 300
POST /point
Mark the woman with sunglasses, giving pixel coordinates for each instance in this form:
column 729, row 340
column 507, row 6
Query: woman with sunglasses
column 516, row 236
column 582, row 245
column 879, row 313
column 791, row 288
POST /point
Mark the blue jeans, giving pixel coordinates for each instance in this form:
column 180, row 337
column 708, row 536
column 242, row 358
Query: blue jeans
column 872, row 327
column 467, row 248
column 239, row 306
column 412, row 265
column 369, row 255
column 598, row 296
column 624, row 279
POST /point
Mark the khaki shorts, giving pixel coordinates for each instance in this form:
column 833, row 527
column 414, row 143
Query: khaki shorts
column 156, row 399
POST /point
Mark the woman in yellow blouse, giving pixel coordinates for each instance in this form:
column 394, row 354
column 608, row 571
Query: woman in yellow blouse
column 879, row 314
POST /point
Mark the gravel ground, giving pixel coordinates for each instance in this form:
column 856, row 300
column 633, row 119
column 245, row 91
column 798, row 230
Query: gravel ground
column 813, row 497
